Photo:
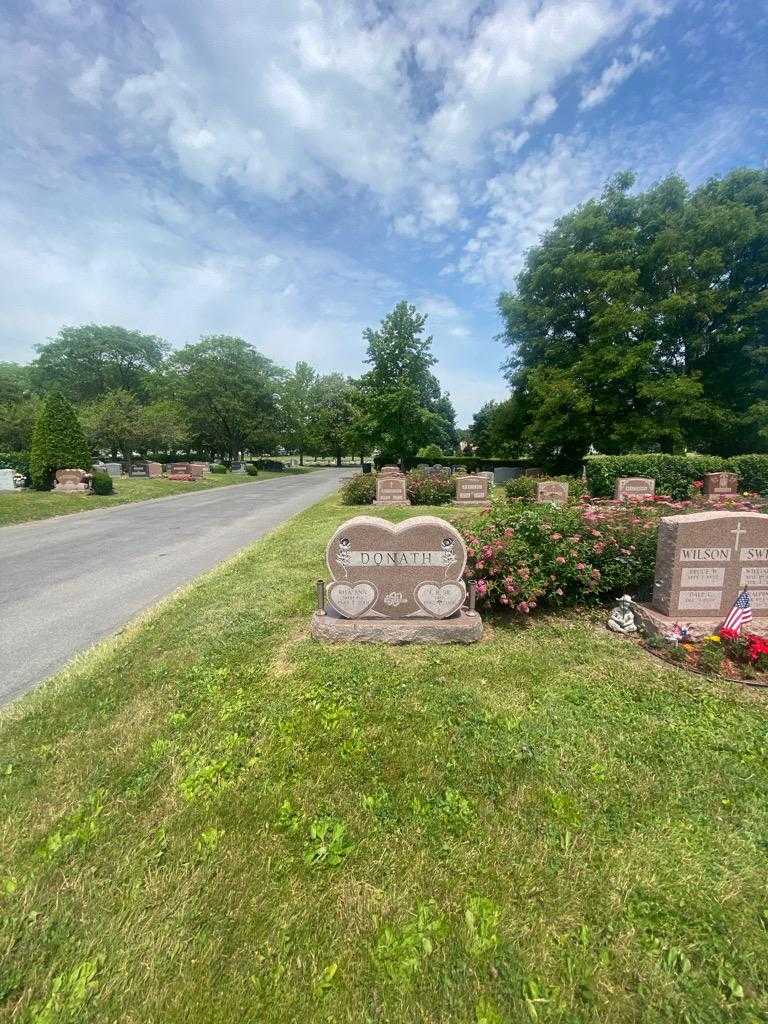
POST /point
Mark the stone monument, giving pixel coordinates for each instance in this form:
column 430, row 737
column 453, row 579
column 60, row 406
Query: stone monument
column 6, row 480
column 155, row 469
column 718, row 485
column 635, row 487
column 503, row 473
column 391, row 490
column 72, row 481
column 703, row 562
column 553, row 491
column 472, row 491
column 396, row 584
column 114, row 469
column 139, row 468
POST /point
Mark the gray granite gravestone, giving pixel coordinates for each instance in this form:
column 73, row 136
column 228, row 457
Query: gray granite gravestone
column 6, row 480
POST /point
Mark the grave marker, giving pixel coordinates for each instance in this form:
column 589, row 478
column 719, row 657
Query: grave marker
column 391, row 490
column 704, row 560
column 72, row 481
column 634, row 487
column 471, row 490
column 114, row 469
column 718, row 484
column 6, row 480
column 553, row 491
column 396, row 583
column 139, row 468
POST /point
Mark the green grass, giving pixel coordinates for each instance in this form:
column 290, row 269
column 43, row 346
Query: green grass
column 213, row 819
column 27, row 505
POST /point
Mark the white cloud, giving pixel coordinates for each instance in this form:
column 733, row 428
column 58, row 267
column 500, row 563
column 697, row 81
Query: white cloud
column 618, row 71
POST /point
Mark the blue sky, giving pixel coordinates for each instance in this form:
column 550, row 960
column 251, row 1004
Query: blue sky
column 287, row 171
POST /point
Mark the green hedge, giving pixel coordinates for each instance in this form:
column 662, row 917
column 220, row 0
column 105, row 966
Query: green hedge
column 753, row 472
column 18, row 461
column 673, row 474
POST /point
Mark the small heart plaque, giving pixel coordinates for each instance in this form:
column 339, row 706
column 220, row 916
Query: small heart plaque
column 351, row 601
column 440, row 600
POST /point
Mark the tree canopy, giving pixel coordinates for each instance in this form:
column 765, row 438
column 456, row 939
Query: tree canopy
column 403, row 402
column 640, row 323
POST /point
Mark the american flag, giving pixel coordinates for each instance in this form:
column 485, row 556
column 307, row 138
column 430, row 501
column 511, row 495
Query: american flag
column 740, row 614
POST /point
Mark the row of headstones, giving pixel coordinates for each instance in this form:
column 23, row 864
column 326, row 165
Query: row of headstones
column 703, row 561
column 715, row 485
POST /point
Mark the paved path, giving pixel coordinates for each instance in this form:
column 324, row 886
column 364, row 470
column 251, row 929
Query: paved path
column 67, row 583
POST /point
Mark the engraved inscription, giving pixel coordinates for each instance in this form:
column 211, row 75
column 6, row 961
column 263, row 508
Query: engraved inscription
column 754, row 554
column 754, row 576
column 705, row 554
column 759, row 599
column 700, row 599
column 703, row 577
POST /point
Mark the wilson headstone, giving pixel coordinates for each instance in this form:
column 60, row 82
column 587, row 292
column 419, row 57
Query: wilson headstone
column 704, row 560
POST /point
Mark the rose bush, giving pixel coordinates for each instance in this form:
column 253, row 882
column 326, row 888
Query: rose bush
column 429, row 489
column 523, row 557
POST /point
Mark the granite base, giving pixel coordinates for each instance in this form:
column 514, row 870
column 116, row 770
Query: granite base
column 652, row 623
column 463, row 628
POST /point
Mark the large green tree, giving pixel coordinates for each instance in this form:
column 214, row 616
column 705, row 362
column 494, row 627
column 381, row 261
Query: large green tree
column 401, row 394
column 114, row 422
column 229, row 393
column 299, row 407
column 57, row 442
column 640, row 322
column 88, row 361
column 336, row 417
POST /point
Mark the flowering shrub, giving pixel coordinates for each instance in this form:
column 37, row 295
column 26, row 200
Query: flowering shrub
column 521, row 557
column 746, row 647
column 426, row 489
column 360, row 490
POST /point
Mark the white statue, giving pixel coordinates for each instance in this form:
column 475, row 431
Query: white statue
column 622, row 620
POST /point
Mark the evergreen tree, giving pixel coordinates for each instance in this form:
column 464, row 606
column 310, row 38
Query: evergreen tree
column 57, row 442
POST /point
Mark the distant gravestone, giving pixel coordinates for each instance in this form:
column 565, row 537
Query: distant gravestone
column 553, row 491
column 704, row 560
column 72, row 481
column 237, row 467
column 391, row 490
column 534, row 471
column 718, row 484
column 634, row 487
column 487, row 474
column 196, row 470
column 114, row 469
column 154, row 469
column 204, row 467
column 139, row 468
column 6, row 480
column 177, row 467
column 471, row 490
column 503, row 473
column 390, row 471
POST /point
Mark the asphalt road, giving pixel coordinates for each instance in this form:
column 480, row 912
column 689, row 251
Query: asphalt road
column 67, row 583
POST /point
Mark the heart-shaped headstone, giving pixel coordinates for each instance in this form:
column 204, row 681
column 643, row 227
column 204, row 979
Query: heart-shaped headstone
column 440, row 600
column 351, row 601
column 396, row 559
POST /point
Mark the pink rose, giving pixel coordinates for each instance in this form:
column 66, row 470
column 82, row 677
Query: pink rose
column 560, row 560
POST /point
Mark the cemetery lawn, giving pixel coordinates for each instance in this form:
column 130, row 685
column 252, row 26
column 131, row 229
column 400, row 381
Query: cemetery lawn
column 27, row 505
column 211, row 818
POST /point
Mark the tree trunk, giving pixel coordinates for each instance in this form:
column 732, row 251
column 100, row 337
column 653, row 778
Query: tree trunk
column 338, row 459
column 301, row 458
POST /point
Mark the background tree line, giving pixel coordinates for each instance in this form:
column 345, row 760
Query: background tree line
column 640, row 323
column 220, row 397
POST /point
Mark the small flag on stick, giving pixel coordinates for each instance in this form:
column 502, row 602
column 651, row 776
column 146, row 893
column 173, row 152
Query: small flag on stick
column 740, row 614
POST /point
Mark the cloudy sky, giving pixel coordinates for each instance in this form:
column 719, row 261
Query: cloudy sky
column 287, row 170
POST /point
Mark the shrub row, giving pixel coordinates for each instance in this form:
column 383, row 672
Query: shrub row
column 673, row 474
column 524, row 487
column 522, row 556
